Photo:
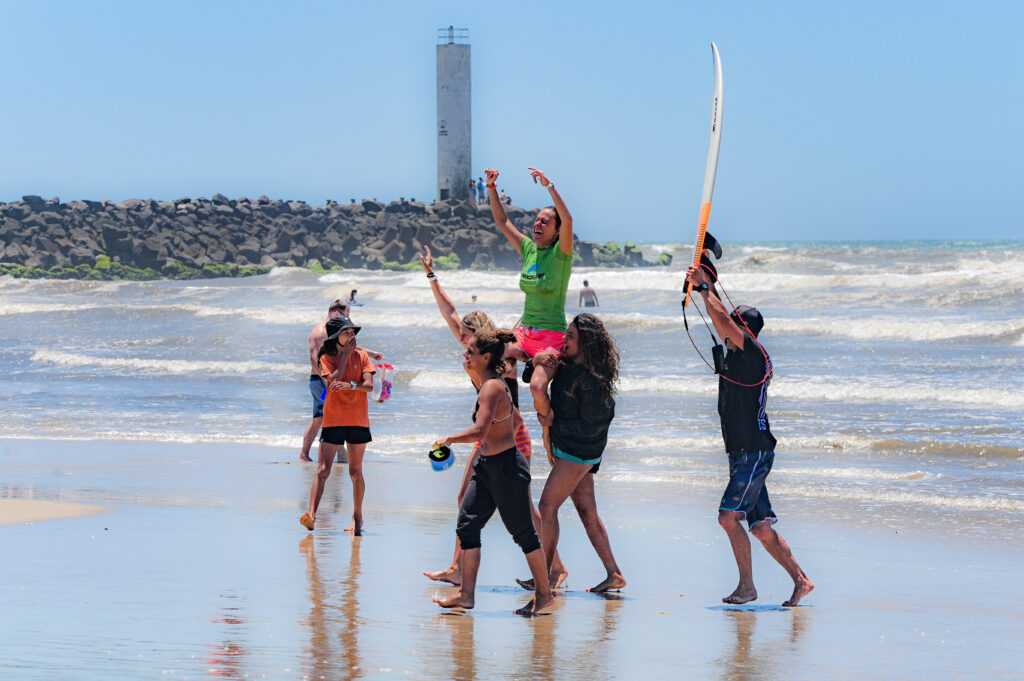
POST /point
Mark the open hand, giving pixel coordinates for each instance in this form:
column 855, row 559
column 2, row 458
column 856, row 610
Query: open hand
column 427, row 260
column 490, row 176
column 539, row 176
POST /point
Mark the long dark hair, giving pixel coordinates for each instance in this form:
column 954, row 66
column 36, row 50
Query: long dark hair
column 598, row 353
column 329, row 347
column 493, row 341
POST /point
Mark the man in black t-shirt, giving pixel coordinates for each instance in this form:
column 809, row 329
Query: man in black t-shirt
column 742, row 400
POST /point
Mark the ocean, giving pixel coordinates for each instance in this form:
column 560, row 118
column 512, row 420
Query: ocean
column 898, row 393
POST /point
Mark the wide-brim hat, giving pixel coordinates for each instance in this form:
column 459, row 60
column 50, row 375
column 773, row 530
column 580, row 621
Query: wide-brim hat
column 336, row 326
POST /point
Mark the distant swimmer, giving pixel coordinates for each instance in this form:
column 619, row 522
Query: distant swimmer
column 582, row 409
column 500, row 479
column 317, row 387
column 352, row 299
column 462, row 329
column 348, row 373
column 588, row 296
column 742, row 401
column 546, row 265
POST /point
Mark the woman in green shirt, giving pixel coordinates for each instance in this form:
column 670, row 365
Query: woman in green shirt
column 547, row 263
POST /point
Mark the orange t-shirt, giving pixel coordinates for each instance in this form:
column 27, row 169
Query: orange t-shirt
column 347, row 407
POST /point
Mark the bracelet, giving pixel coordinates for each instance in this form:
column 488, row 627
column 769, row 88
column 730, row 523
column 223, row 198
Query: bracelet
column 431, row 275
column 491, row 186
column 551, row 185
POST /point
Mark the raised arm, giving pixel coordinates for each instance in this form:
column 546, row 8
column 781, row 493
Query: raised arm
column 505, row 225
column 564, row 216
column 444, row 304
column 724, row 325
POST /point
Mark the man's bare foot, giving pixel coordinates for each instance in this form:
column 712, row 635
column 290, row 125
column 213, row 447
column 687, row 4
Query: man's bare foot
column 538, row 606
column 304, row 456
column 614, row 582
column 455, row 601
column 450, row 575
column 556, row 582
column 800, row 590
column 307, row 521
column 356, row 528
column 741, row 595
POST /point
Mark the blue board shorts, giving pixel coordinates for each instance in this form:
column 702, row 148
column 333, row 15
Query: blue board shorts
column 746, row 492
column 316, row 389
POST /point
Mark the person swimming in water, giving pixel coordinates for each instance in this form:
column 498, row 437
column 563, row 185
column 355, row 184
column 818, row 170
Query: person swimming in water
column 588, row 296
column 546, row 255
column 462, row 329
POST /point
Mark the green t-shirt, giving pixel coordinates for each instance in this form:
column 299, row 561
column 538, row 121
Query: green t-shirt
column 544, row 279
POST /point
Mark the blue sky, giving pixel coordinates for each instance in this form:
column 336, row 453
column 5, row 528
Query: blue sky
column 842, row 120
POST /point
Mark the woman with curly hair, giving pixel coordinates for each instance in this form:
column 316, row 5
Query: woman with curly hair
column 582, row 408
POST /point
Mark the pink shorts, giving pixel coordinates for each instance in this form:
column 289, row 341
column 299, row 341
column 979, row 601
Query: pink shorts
column 533, row 341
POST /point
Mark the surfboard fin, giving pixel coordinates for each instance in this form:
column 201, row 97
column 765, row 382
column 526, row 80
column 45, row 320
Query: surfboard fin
column 711, row 244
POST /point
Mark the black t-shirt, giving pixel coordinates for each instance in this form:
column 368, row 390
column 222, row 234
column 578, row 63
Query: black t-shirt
column 743, row 410
column 582, row 413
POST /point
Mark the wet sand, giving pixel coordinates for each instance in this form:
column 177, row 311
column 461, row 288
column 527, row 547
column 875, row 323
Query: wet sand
column 199, row 568
column 17, row 511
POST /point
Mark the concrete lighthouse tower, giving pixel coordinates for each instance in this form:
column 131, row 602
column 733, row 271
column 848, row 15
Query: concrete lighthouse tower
column 454, row 133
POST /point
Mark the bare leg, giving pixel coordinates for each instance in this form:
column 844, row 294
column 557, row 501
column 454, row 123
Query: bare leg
column 544, row 597
column 307, row 438
column 355, row 472
column 541, row 402
column 780, row 551
column 745, row 591
column 558, row 573
column 325, row 457
column 585, row 500
column 466, row 595
column 563, row 479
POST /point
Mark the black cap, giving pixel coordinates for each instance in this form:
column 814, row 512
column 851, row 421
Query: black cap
column 336, row 326
column 748, row 318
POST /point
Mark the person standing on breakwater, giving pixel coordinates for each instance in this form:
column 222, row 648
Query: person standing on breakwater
column 546, row 266
column 348, row 373
column 463, row 328
column 471, row 197
column 481, row 191
column 582, row 408
column 588, row 296
column 317, row 387
column 501, row 476
column 742, row 401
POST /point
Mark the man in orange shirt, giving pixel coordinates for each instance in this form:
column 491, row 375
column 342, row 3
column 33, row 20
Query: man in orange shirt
column 348, row 373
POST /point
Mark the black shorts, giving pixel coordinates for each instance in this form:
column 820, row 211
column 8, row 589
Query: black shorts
column 339, row 435
column 746, row 492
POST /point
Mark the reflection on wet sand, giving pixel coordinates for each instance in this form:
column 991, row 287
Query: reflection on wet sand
column 226, row 659
column 748, row 662
column 463, row 645
column 323, row 615
column 591, row 658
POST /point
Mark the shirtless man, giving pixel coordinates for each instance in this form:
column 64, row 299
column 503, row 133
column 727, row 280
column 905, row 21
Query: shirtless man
column 588, row 296
column 317, row 336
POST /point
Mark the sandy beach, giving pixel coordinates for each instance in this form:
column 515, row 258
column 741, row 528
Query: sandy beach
column 18, row 511
column 200, row 568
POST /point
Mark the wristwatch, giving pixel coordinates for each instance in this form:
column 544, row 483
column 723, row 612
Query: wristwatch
column 353, row 385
